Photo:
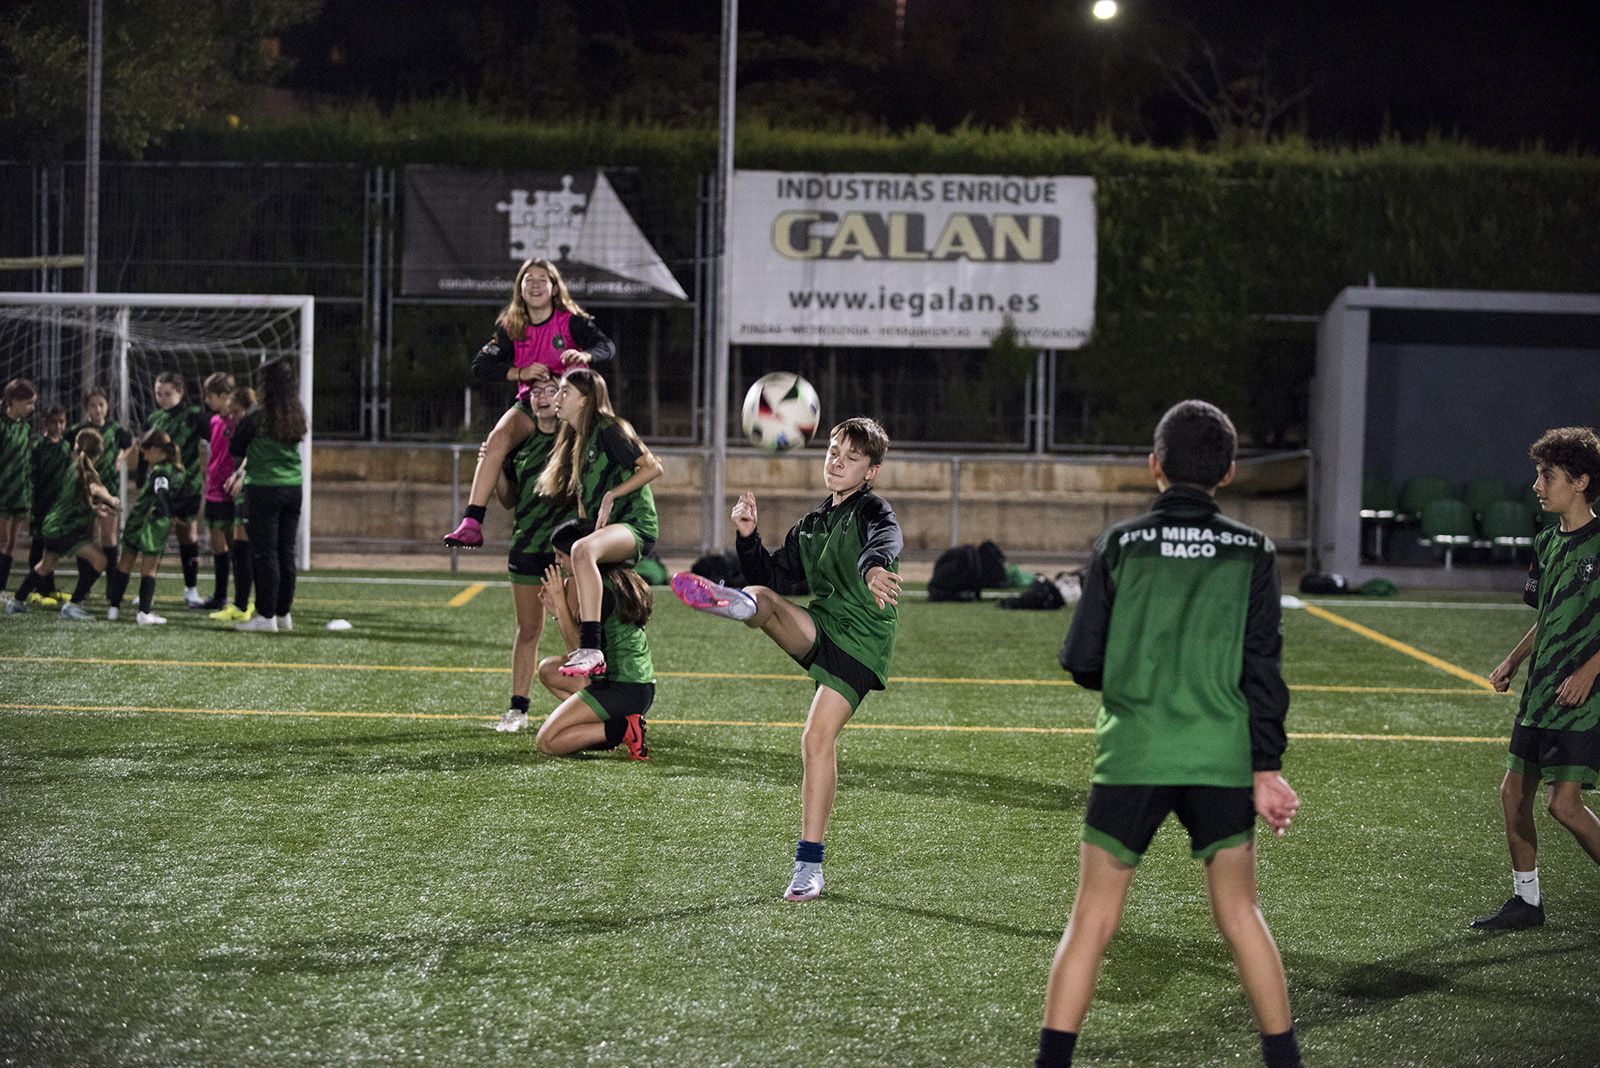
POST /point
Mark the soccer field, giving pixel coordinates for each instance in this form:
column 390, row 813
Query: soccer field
column 311, row 848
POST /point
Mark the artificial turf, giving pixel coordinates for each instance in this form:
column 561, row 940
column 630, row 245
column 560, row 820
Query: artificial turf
column 309, row 848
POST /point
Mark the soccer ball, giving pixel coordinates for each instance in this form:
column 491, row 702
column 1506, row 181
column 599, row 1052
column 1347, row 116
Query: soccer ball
column 781, row 412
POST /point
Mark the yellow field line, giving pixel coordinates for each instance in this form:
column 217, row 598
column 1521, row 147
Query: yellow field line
column 277, row 665
column 468, row 594
column 1401, row 647
column 929, row 728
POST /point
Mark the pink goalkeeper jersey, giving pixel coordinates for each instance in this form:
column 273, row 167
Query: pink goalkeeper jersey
column 222, row 463
column 544, row 343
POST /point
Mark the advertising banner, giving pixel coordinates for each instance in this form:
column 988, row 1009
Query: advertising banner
column 910, row 260
column 466, row 232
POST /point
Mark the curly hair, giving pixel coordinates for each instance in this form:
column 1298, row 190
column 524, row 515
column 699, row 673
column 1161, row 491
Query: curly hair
column 1575, row 450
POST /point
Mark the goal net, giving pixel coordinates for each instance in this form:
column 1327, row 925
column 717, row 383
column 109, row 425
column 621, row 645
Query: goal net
column 67, row 343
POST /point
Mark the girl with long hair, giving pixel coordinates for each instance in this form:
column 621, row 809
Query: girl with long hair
column 149, row 522
column 69, row 529
column 598, row 713
column 239, row 609
column 599, row 463
column 539, row 335
column 119, row 449
column 267, row 445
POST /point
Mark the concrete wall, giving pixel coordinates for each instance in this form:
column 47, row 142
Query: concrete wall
column 1029, row 505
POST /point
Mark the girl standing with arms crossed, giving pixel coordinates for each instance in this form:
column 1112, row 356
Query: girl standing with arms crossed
column 600, row 462
column 540, row 334
column 267, row 445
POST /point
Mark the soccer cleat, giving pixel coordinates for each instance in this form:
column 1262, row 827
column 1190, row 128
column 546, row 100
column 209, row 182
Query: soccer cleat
column 633, row 738
column 149, row 619
column 697, row 591
column 112, row 612
column 1514, row 915
column 15, row 607
column 73, row 612
column 806, row 882
column 229, row 614
column 285, row 622
column 213, row 604
column 258, row 625
column 513, row 721
column 42, row 600
column 192, row 598
column 585, row 663
column 469, row 535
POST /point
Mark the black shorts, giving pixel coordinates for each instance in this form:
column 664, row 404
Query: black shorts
column 616, row 701
column 1122, row 820
column 830, row 666
column 185, row 506
column 221, row 515
column 527, row 569
column 1555, row 756
column 68, row 543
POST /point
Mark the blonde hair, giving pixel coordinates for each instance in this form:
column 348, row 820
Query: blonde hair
column 562, row 477
column 515, row 318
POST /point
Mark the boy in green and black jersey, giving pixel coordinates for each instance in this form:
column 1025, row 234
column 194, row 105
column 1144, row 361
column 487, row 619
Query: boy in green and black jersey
column 1555, row 738
column 189, row 427
column 1179, row 628
column 847, row 550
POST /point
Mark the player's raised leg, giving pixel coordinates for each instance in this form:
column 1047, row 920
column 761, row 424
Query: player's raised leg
column 509, row 433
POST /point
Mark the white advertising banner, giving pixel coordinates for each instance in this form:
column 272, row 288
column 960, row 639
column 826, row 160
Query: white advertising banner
column 910, row 260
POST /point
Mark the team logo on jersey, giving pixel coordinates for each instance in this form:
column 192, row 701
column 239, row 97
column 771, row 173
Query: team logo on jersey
column 1587, row 568
column 558, row 343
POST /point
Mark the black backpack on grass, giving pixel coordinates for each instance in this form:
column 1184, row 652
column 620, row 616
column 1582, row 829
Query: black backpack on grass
column 957, row 575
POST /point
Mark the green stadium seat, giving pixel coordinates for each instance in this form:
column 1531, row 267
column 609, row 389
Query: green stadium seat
column 1447, row 524
column 1507, row 525
column 1483, row 491
column 1422, row 489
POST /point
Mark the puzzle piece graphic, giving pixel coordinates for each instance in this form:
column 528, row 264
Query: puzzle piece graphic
column 545, row 224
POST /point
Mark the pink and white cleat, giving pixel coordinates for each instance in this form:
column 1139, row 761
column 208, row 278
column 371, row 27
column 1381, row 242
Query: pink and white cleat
column 697, row 591
column 585, row 662
column 469, row 535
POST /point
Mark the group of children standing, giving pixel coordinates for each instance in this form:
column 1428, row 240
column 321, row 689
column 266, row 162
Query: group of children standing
column 65, row 485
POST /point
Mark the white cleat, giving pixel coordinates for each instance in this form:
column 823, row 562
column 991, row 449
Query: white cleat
column 258, row 625
column 112, row 613
column 285, row 622
column 806, row 882
column 75, row 613
column 149, row 619
column 513, row 721
column 585, row 663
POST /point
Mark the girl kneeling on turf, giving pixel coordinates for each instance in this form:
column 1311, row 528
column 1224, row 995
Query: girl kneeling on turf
column 599, row 461
column 607, row 712
column 149, row 522
column 69, row 528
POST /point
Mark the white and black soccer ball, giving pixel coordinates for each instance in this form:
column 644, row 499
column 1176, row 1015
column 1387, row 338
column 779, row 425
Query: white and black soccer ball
column 781, row 412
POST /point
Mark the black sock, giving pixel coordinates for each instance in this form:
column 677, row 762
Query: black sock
column 5, row 569
column 47, row 584
column 86, row 576
column 30, row 582
column 244, row 573
column 219, row 567
column 808, row 852
column 519, row 704
column 147, row 592
column 1280, row 1051
column 476, row 511
column 113, row 554
column 116, row 586
column 1055, row 1048
column 590, row 636
column 189, row 557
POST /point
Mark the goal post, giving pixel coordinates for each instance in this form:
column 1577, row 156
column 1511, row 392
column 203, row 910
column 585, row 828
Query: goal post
column 67, row 343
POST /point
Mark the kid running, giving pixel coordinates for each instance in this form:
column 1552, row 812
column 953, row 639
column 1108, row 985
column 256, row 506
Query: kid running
column 189, row 429
column 540, row 334
column 69, row 529
column 1179, row 628
column 1555, row 738
column 599, row 462
column 16, row 468
column 598, row 713
column 848, row 551
column 145, row 534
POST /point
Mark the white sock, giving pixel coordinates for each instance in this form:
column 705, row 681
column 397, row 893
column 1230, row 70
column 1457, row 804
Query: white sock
column 1526, row 885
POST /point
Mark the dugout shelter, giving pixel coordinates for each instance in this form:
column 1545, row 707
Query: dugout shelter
column 1451, row 385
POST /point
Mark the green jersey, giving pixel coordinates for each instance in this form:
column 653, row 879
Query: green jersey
column 609, row 459
column 535, row 516
column 16, row 466
column 1180, row 628
column 1564, row 585
column 70, row 517
column 153, row 507
column 188, row 426
column 271, row 462
column 117, row 438
column 832, row 548
column 51, row 459
column 627, row 651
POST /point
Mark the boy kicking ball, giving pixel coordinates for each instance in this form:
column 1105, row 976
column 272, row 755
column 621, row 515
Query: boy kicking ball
column 1180, row 629
column 848, row 551
column 1555, row 738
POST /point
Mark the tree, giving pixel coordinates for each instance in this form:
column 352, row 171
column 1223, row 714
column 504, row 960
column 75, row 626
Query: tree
column 166, row 63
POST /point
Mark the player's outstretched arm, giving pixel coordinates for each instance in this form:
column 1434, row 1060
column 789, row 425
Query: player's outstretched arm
column 1276, row 801
column 744, row 514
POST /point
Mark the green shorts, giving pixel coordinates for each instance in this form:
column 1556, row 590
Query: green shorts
column 830, row 666
column 148, row 538
column 69, row 543
column 1123, row 820
column 1555, row 755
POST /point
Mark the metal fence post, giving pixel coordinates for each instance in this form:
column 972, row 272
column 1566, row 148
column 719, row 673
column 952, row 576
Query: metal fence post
column 455, row 499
